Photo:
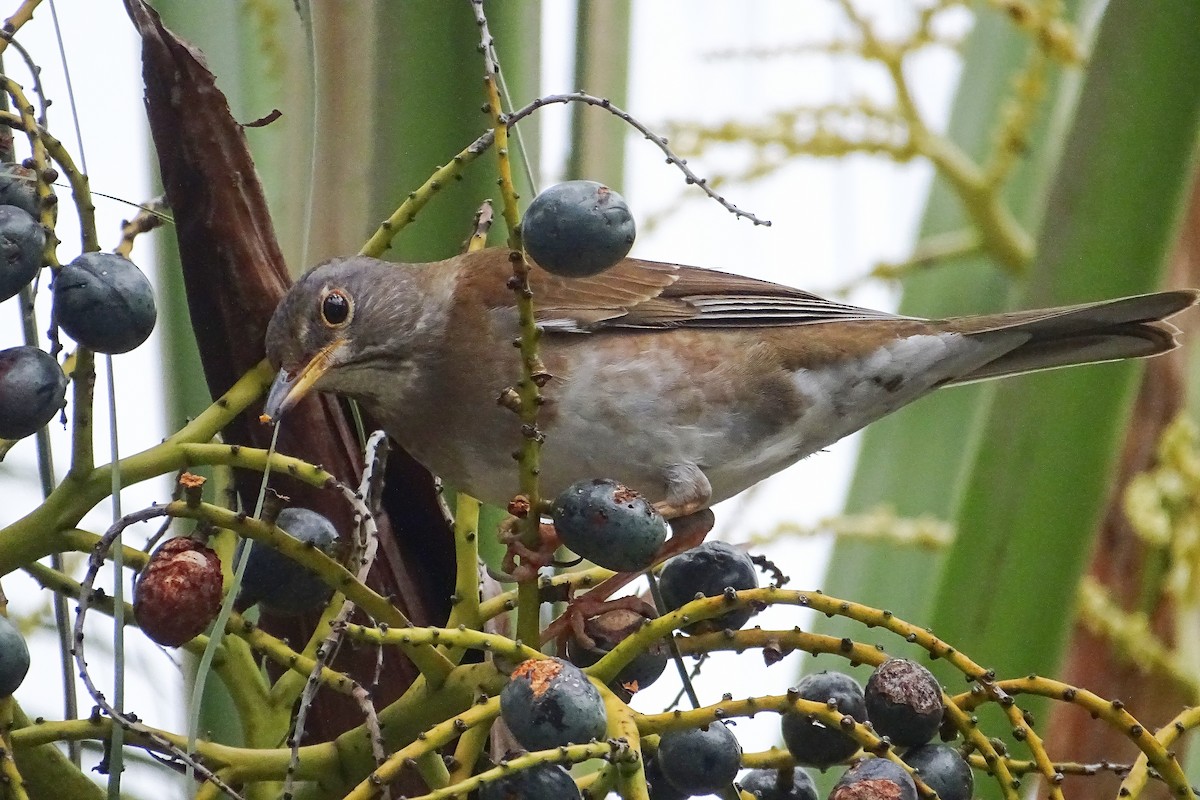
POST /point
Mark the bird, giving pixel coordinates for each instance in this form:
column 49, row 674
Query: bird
column 688, row 385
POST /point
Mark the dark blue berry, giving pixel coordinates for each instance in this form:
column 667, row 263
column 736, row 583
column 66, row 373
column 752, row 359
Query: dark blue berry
column 14, row 657
column 32, row 390
column 550, row 703
column 609, row 524
column 542, row 782
column 778, row 784
column 104, row 302
column 812, row 742
column 578, row 228
column 904, row 702
column 660, row 788
column 943, row 770
column 708, row 570
column 21, row 241
column 700, row 760
column 18, row 187
column 875, row 779
column 276, row 582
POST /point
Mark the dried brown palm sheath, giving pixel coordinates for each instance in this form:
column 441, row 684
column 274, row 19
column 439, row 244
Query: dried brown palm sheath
column 234, row 275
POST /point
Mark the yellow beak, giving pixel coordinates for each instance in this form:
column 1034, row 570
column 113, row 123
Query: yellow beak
column 290, row 388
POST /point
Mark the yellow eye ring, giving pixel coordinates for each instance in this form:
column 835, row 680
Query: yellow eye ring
column 337, row 309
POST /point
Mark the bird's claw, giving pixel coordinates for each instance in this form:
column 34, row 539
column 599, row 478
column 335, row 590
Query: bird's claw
column 522, row 562
column 580, row 610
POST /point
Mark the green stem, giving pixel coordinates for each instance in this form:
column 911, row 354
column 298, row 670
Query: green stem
column 428, row 660
column 247, row 763
column 218, row 627
column 40, row 533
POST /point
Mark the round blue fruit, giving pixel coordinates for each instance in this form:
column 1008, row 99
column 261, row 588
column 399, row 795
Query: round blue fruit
column 875, row 777
column 577, row 229
column 708, row 570
column 277, row 583
column 811, row 741
column 18, row 187
column 700, row 760
column 550, row 703
column 14, row 657
column 21, row 241
column 778, row 784
column 609, row 524
column 542, row 782
column 104, row 302
column 904, row 702
column 943, row 770
column 32, row 390
column 660, row 788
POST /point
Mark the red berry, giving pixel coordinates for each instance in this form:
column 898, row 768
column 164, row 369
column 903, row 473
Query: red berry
column 178, row 594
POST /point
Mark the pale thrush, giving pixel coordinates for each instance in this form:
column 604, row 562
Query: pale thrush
column 686, row 384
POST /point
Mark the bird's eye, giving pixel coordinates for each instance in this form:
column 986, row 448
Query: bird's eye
column 336, row 308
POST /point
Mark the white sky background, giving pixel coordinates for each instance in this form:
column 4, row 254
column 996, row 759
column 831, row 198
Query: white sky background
column 832, row 220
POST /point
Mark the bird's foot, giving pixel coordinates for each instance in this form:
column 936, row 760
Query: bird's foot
column 688, row 492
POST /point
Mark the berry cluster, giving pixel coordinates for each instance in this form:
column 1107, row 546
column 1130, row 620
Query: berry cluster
column 101, row 300
column 902, row 702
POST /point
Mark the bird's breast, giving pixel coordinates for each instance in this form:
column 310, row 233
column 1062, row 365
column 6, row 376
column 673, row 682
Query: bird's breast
column 631, row 406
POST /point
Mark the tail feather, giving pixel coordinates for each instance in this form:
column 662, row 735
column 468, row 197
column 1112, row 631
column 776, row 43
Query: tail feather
column 1129, row 327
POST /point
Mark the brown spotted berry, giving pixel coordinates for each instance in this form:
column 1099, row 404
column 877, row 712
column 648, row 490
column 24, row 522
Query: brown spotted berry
column 178, row 594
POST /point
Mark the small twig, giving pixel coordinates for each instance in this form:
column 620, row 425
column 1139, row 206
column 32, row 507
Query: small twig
column 480, row 228
column 779, row 579
column 381, row 240
column 695, row 673
column 95, row 561
column 366, row 503
column 692, row 178
column 36, row 73
column 149, row 216
column 12, row 24
column 927, row 253
column 880, row 524
column 14, row 784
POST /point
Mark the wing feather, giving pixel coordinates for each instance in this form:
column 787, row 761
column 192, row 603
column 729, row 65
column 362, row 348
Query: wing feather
column 650, row 294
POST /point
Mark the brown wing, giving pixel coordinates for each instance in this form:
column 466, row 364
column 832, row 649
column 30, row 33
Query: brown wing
column 650, row 294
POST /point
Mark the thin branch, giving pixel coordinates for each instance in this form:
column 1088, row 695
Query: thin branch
column 681, row 163
column 95, row 562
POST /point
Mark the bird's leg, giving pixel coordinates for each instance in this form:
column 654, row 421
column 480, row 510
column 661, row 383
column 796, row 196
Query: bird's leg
column 688, row 491
column 686, row 533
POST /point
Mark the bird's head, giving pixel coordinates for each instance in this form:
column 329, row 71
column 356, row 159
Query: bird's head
column 350, row 326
